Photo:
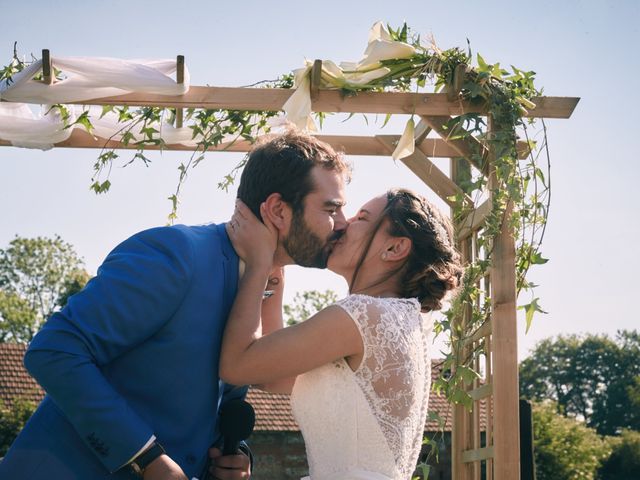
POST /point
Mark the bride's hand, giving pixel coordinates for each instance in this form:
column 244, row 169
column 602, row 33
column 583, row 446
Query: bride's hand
column 254, row 241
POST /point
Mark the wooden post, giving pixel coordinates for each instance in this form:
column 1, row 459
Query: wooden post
column 316, row 75
column 458, row 81
column 47, row 71
column 462, row 425
column 179, row 80
column 506, row 465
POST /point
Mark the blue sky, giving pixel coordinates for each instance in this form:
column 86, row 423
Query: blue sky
column 586, row 49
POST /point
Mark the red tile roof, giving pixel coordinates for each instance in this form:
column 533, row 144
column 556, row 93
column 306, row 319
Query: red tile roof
column 273, row 411
column 14, row 380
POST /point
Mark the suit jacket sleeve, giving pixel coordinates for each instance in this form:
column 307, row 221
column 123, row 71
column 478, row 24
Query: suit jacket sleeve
column 137, row 290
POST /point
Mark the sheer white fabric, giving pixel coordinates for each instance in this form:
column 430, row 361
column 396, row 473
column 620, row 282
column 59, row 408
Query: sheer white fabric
column 93, row 77
column 84, row 78
column 369, row 424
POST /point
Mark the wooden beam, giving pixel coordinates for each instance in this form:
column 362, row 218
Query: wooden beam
column 477, row 454
column 421, row 132
column 237, row 98
column 482, row 331
column 474, row 220
column 481, row 392
column 349, row 144
column 316, row 76
column 458, row 81
column 179, row 80
column 48, row 74
column 467, row 148
column 427, row 171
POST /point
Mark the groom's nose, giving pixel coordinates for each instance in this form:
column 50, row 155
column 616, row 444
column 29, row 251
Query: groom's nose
column 339, row 221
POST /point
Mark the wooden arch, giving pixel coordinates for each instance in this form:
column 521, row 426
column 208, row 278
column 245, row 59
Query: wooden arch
column 495, row 441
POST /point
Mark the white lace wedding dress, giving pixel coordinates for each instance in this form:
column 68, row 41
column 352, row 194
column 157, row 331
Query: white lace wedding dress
column 368, row 424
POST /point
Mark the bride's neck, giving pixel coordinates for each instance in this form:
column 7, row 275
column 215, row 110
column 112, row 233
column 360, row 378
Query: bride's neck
column 386, row 288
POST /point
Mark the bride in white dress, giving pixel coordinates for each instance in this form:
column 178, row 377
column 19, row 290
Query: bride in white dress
column 359, row 370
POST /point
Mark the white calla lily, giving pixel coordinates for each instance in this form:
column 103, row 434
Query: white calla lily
column 385, row 50
column 332, row 75
column 407, row 143
column 298, row 106
column 379, row 32
column 362, row 78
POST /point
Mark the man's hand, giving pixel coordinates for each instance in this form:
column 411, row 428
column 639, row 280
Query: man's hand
column 163, row 468
column 229, row 467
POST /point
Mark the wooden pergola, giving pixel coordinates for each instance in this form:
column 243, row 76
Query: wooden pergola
column 499, row 448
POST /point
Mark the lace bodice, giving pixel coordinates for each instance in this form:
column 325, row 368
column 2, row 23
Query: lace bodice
column 370, row 420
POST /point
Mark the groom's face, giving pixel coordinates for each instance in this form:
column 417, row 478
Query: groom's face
column 315, row 228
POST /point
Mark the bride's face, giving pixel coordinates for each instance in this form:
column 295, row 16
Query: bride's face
column 348, row 250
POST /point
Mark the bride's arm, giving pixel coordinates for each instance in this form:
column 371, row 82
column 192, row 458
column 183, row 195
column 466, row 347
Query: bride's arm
column 272, row 320
column 247, row 357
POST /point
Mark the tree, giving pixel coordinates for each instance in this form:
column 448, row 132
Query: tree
column 37, row 276
column 624, row 461
column 13, row 416
column 588, row 376
column 306, row 304
column 564, row 448
column 17, row 318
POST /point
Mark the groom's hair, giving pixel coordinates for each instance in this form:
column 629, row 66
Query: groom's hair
column 283, row 165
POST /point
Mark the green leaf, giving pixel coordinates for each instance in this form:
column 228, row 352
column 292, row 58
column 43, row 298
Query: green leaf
column 467, row 374
column 531, row 309
column 537, row 259
column 482, row 65
column 106, row 109
column 462, row 398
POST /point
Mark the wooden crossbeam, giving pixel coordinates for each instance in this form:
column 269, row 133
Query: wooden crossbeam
column 421, row 132
column 467, row 148
column 427, row 171
column 474, row 220
column 237, row 98
column 477, row 454
column 481, row 392
column 349, row 144
column 482, row 331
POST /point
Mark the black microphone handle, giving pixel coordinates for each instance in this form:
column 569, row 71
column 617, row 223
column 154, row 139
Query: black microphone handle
column 231, row 446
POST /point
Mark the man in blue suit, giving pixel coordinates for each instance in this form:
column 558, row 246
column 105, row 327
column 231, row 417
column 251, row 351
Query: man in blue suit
column 130, row 364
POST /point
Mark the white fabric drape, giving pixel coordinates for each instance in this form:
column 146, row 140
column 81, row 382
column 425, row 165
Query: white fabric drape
column 83, row 79
column 88, row 78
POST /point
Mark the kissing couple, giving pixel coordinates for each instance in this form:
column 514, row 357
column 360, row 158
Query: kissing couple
column 138, row 365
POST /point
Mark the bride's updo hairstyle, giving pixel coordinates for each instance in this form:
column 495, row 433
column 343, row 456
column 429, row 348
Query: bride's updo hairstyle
column 433, row 266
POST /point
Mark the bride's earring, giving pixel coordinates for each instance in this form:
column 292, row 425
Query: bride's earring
column 384, row 255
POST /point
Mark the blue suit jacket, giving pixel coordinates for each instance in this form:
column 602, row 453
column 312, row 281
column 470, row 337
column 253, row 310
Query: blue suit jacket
column 135, row 353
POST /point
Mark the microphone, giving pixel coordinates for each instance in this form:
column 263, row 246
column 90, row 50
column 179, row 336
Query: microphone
column 237, row 419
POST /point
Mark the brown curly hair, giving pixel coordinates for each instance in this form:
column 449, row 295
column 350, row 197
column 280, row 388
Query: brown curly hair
column 433, row 267
column 283, row 164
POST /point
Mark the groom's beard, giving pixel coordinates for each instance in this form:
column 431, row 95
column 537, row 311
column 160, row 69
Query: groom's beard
column 305, row 247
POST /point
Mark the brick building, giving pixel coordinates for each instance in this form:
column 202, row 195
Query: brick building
column 276, row 442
